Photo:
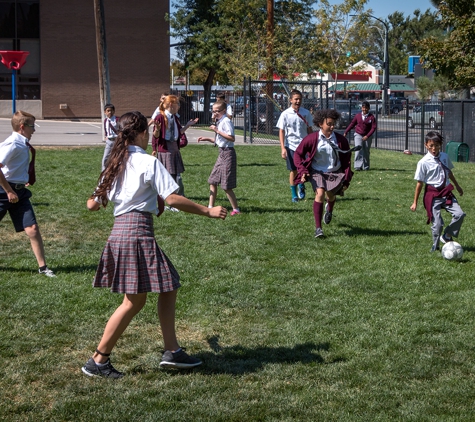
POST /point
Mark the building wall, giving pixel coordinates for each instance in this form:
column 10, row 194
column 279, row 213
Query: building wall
column 138, row 55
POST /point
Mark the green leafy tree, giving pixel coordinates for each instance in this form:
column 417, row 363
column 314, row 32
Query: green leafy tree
column 404, row 33
column 229, row 38
column 339, row 35
column 452, row 55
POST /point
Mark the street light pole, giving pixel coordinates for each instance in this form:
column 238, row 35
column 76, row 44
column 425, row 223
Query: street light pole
column 385, row 65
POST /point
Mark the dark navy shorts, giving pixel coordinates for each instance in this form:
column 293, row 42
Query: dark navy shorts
column 21, row 213
column 290, row 159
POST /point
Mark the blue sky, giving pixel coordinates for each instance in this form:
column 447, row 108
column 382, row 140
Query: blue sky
column 383, row 8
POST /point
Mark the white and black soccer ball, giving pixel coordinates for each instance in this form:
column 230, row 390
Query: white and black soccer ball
column 452, row 251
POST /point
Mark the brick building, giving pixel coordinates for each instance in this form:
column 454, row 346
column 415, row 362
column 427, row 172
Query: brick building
column 62, row 67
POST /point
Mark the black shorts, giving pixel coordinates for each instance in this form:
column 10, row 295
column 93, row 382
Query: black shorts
column 21, row 212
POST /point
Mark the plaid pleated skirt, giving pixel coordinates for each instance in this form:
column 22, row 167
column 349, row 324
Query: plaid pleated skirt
column 331, row 182
column 225, row 170
column 172, row 159
column 132, row 261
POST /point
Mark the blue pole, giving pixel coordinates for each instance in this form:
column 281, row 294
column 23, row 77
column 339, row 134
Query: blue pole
column 14, row 90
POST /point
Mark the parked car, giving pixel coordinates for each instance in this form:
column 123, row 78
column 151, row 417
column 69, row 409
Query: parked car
column 396, row 105
column 238, row 105
column 433, row 115
column 347, row 112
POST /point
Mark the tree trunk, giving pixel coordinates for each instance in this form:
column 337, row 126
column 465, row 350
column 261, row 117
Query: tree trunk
column 207, row 93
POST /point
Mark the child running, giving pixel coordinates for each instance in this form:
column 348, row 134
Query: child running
column 225, row 169
column 132, row 264
column 324, row 158
column 435, row 171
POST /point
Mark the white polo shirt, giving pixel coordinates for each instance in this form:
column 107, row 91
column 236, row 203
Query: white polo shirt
column 15, row 158
column 294, row 126
column 144, row 178
column 431, row 172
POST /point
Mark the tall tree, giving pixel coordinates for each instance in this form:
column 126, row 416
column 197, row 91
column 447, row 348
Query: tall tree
column 404, row 32
column 339, row 35
column 452, row 55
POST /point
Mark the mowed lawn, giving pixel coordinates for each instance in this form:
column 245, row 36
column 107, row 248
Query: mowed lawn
column 364, row 325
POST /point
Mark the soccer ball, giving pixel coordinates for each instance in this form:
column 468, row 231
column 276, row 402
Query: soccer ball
column 452, row 251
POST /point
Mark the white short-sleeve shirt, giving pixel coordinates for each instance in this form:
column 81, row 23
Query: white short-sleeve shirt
column 326, row 159
column 15, row 158
column 294, row 126
column 224, row 125
column 431, row 172
column 144, row 178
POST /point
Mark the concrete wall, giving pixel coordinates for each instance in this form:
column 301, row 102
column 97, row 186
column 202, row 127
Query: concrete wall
column 138, row 52
column 31, row 106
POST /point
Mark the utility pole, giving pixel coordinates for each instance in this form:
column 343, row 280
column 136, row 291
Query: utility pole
column 270, row 67
column 103, row 64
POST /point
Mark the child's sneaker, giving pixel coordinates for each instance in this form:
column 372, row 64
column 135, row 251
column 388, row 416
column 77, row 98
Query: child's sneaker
column 319, row 233
column 179, row 359
column 445, row 239
column 92, row 369
column 235, row 212
column 327, row 218
column 47, row 272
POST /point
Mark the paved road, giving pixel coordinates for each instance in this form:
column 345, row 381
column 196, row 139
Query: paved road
column 64, row 133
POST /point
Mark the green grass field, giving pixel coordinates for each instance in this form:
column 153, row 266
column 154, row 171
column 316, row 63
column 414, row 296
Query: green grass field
column 365, row 325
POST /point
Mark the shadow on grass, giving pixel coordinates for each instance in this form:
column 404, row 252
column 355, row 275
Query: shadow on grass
column 241, row 360
column 364, row 231
column 57, row 269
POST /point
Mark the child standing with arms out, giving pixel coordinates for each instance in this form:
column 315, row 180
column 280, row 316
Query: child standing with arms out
column 16, row 173
column 294, row 124
column 110, row 132
column 324, row 158
column 132, row 263
column 435, row 171
column 225, row 169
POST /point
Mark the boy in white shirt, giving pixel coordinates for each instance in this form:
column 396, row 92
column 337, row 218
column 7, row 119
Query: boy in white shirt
column 294, row 124
column 435, row 171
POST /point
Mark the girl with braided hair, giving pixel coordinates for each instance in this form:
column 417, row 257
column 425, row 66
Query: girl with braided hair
column 132, row 263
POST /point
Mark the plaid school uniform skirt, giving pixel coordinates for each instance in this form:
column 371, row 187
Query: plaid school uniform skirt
column 331, row 182
column 172, row 159
column 132, row 262
column 225, row 169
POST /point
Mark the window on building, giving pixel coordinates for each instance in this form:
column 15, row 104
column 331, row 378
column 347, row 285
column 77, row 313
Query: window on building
column 20, row 30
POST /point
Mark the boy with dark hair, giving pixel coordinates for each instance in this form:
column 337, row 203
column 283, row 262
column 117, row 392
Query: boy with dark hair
column 435, row 171
column 110, row 132
column 294, row 124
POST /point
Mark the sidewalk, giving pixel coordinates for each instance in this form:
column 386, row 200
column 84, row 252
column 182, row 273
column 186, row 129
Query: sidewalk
column 82, row 133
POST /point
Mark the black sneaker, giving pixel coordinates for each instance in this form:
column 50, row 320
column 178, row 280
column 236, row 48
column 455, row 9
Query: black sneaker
column 179, row 360
column 327, row 217
column 92, row 369
column 47, row 272
column 319, row 233
column 444, row 239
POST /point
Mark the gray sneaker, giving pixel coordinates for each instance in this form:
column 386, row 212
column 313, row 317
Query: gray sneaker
column 179, row 360
column 47, row 272
column 319, row 233
column 327, row 217
column 92, row 369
